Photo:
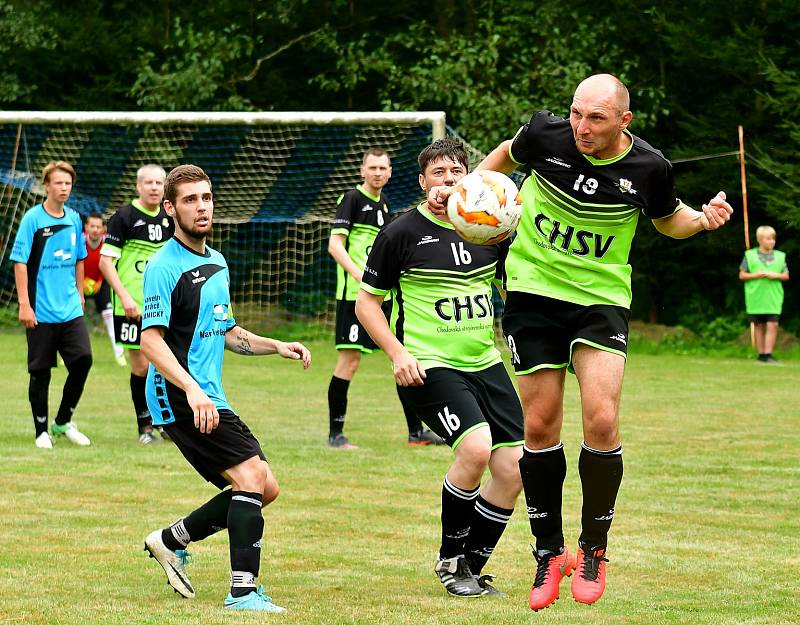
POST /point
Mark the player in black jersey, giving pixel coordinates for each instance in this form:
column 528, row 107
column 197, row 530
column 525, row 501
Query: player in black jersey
column 442, row 346
column 135, row 232
column 568, row 282
column 361, row 213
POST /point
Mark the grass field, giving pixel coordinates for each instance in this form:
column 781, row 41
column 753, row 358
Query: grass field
column 707, row 528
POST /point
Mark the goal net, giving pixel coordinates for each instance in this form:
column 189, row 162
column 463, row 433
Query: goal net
column 276, row 179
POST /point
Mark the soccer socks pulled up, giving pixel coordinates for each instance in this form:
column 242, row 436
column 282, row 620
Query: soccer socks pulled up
column 412, row 420
column 245, row 529
column 38, row 388
column 337, row 404
column 108, row 322
column 457, row 507
column 208, row 519
column 143, row 420
column 601, row 476
column 543, row 472
column 78, row 371
column 486, row 527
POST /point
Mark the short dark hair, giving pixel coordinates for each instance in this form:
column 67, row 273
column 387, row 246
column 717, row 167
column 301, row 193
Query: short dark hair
column 449, row 147
column 181, row 175
column 374, row 152
column 95, row 215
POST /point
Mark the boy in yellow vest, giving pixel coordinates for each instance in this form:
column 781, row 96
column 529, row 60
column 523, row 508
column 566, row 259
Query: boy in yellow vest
column 763, row 271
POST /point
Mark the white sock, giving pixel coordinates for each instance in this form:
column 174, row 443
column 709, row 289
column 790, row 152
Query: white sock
column 108, row 320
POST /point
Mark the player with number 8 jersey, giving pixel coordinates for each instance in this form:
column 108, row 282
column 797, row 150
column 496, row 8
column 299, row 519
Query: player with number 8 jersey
column 441, row 341
column 135, row 233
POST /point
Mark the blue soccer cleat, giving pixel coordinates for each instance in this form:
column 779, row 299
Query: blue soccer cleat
column 255, row 600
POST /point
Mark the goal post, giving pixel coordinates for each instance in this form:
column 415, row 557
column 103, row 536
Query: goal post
column 276, row 180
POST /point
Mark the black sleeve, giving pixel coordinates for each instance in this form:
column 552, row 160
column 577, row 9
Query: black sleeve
column 661, row 201
column 385, row 262
column 117, row 229
column 526, row 143
column 344, row 212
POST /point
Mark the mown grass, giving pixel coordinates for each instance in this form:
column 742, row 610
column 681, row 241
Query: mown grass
column 707, row 528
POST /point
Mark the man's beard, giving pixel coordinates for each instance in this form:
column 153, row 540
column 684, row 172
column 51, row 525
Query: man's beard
column 191, row 231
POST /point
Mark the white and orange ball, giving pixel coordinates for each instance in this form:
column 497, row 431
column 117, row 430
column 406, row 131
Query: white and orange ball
column 484, row 207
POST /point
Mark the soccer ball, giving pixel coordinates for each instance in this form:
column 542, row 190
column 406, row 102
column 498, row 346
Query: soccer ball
column 89, row 286
column 484, row 207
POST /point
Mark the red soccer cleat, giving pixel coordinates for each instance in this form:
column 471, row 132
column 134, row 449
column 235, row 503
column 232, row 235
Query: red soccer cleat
column 589, row 582
column 551, row 568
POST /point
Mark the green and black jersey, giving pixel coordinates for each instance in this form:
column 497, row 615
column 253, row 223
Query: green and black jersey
column 134, row 235
column 580, row 214
column 442, row 288
column 359, row 217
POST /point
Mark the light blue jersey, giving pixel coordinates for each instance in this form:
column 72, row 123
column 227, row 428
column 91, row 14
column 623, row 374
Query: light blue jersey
column 50, row 247
column 187, row 294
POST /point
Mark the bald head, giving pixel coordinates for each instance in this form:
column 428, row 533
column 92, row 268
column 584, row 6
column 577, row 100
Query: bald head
column 599, row 116
column 605, row 88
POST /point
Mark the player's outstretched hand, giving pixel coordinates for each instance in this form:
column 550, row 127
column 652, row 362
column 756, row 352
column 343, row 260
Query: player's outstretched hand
column 437, row 199
column 407, row 370
column 206, row 416
column 295, row 351
column 716, row 213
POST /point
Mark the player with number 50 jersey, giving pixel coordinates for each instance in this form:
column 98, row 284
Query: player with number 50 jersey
column 135, row 233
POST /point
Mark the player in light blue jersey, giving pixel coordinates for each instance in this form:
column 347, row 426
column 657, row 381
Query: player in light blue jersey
column 187, row 323
column 48, row 258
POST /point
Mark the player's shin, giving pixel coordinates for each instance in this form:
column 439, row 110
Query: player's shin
column 143, row 420
column 245, row 529
column 37, row 395
column 457, row 507
column 208, row 519
column 73, row 388
column 487, row 525
column 601, row 476
column 543, row 472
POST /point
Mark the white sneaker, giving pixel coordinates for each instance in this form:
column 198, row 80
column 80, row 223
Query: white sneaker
column 43, row 441
column 73, row 434
column 172, row 562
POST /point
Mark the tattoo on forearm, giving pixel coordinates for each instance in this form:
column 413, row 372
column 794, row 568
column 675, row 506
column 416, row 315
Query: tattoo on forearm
column 243, row 346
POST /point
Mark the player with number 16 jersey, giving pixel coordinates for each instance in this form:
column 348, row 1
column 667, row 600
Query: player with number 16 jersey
column 441, row 341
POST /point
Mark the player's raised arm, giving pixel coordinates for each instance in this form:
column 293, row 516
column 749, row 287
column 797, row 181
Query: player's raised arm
column 686, row 221
column 244, row 342
column 499, row 159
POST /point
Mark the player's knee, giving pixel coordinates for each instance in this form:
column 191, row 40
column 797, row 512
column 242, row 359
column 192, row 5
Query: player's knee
column 80, row 365
column 474, row 455
column 271, row 491
column 505, row 470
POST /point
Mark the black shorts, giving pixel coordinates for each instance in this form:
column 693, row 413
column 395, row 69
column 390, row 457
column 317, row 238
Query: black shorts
column 350, row 334
column 229, row 444
column 70, row 339
column 763, row 318
column 127, row 331
column 453, row 403
column 102, row 299
column 541, row 331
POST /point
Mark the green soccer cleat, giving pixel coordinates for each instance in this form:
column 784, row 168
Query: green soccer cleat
column 71, row 433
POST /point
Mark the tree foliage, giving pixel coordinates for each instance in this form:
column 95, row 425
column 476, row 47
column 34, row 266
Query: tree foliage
column 696, row 71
